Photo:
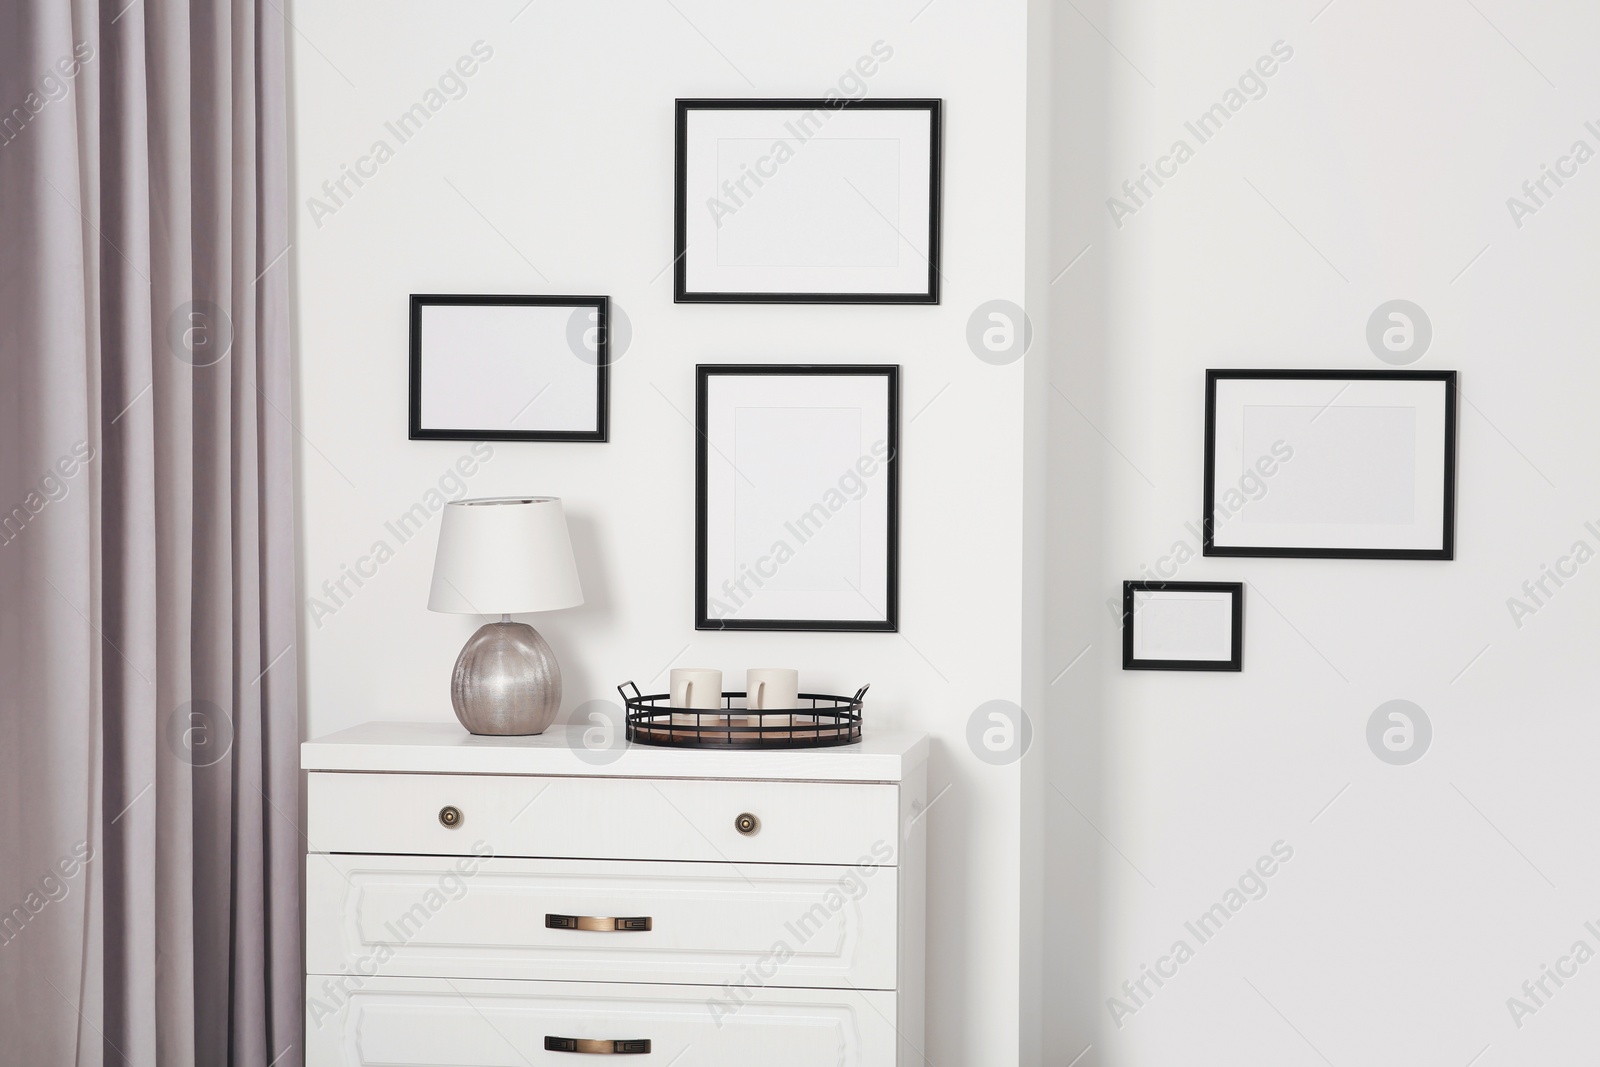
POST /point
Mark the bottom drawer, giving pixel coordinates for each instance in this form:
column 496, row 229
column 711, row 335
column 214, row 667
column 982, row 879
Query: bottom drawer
column 441, row 1022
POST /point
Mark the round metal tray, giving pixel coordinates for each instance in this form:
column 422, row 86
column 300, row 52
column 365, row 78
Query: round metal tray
column 818, row 721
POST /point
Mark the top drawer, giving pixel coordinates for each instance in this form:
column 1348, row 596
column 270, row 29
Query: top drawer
column 604, row 818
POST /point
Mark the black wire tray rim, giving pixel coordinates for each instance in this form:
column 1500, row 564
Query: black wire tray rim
column 646, row 702
column 822, row 702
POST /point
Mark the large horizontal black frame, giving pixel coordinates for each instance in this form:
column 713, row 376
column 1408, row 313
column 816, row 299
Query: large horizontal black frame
column 680, row 217
column 1236, row 663
column 1447, row 549
column 702, row 620
column 602, row 307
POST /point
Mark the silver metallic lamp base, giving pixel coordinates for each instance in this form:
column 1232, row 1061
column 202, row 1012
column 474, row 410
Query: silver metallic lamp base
column 506, row 681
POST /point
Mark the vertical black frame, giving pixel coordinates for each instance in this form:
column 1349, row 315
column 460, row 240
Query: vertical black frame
column 702, row 619
column 1236, row 663
column 680, row 293
column 602, row 306
column 1208, row 489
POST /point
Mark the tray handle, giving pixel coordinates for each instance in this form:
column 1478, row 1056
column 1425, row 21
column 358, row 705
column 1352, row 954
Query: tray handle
column 862, row 692
column 623, row 690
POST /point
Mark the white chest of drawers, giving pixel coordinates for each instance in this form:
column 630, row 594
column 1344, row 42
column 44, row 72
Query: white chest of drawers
column 501, row 901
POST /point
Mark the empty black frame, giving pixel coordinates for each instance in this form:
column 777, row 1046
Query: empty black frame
column 602, row 360
column 1446, row 551
column 891, row 466
column 1234, row 663
column 680, row 249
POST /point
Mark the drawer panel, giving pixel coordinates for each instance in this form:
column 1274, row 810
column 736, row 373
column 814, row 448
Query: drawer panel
column 422, row 1022
column 604, row 818
column 709, row 923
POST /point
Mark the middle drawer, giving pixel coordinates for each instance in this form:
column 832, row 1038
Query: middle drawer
column 707, row 923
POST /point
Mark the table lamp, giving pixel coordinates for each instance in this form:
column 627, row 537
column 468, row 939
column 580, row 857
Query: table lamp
column 505, row 556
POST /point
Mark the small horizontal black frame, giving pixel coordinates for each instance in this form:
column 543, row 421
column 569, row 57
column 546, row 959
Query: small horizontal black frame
column 602, row 307
column 702, row 616
column 680, row 216
column 1236, row 663
column 826, row 722
column 1447, row 549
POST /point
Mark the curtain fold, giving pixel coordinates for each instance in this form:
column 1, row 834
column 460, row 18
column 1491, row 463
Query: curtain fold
column 149, row 732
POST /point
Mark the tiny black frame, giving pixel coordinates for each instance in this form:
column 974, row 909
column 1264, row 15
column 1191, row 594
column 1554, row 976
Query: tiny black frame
column 683, row 295
column 1234, row 663
column 602, row 309
column 890, row 623
column 1446, row 550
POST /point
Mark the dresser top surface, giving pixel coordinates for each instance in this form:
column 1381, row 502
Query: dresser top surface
column 446, row 748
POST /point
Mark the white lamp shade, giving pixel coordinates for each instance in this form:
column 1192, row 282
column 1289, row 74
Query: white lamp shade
column 504, row 556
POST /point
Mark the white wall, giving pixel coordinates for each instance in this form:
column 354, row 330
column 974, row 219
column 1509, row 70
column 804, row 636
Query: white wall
column 1377, row 166
column 557, row 162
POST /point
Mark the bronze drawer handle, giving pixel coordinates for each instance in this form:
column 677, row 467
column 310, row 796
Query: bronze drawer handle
column 747, row 824
column 450, row 816
column 603, row 924
column 590, row 1046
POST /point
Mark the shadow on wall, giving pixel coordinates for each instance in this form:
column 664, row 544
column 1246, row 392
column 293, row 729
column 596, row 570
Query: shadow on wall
column 569, row 629
column 1077, row 634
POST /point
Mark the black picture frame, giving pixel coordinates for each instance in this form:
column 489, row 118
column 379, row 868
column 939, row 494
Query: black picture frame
column 683, row 295
column 891, row 465
column 602, row 308
column 1446, row 551
column 1235, row 663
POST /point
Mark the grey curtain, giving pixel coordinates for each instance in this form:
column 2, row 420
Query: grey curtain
column 149, row 791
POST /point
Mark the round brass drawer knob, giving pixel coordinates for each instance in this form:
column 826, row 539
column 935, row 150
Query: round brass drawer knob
column 450, row 816
column 747, row 824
